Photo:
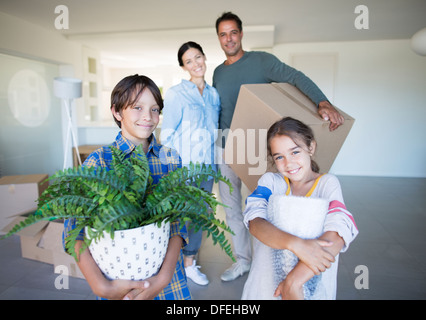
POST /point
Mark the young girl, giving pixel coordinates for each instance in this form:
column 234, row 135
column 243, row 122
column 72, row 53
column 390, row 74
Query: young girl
column 291, row 145
column 136, row 105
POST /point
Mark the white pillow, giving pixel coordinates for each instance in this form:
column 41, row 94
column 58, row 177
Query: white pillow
column 303, row 217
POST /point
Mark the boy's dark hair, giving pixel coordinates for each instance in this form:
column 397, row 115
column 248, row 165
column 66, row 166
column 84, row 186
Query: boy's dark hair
column 128, row 91
column 186, row 46
column 296, row 130
column 226, row 16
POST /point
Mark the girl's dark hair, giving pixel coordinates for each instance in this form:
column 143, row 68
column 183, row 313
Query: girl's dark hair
column 299, row 132
column 226, row 16
column 128, row 91
column 185, row 47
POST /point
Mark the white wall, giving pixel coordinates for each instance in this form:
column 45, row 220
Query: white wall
column 382, row 84
column 20, row 38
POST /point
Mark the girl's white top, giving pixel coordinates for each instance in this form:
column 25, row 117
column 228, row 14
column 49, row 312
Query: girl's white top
column 260, row 282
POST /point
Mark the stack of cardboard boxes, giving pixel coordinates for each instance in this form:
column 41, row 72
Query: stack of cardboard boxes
column 43, row 240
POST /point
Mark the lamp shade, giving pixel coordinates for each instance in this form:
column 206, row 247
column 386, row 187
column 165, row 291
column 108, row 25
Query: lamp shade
column 67, row 88
column 418, row 42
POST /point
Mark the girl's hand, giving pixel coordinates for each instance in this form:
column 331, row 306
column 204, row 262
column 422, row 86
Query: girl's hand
column 289, row 289
column 313, row 254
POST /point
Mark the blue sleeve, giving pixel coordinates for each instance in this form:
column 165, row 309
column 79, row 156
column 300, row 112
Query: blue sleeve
column 257, row 202
column 69, row 224
column 261, row 193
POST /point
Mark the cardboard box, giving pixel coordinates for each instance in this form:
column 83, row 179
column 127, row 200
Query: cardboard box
column 30, row 239
column 42, row 241
column 258, row 107
column 85, row 151
column 52, row 241
column 19, row 194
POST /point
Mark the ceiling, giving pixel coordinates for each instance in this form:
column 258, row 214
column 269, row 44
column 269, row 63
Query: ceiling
column 149, row 32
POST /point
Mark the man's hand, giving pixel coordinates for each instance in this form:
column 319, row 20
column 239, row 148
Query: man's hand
column 328, row 112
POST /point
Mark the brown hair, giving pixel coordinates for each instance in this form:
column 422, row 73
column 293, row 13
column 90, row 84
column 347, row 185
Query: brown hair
column 185, row 47
column 229, row 16
column 128, row 91
column 299, row 132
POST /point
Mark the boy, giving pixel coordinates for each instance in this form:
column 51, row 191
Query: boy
column 136, row 104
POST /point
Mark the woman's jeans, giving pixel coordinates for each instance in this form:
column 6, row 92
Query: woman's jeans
column 195, row 238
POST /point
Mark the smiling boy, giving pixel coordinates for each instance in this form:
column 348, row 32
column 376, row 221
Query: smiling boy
column 136, row 104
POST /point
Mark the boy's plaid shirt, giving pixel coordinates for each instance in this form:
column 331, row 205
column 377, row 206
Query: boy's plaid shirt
column 161, row 160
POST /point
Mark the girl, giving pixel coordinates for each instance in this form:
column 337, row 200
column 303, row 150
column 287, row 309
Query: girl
column 191, row 116
column 291, row 145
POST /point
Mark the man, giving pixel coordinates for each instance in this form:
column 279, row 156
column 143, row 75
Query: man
column 250, row 67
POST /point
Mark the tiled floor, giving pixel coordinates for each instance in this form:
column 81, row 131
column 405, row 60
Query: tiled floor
column 390, row 214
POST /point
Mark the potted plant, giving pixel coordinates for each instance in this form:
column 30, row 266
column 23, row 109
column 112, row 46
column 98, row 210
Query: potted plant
column 106, row 203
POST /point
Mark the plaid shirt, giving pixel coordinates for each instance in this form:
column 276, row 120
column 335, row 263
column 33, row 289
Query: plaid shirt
column 161, row 160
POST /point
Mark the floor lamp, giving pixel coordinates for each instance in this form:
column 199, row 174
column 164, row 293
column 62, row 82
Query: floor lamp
column 418, row 42
column 68, row 89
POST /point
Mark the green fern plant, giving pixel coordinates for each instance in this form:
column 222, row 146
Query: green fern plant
column 125, row 197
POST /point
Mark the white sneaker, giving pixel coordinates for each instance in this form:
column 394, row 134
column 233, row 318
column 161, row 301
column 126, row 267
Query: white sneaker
column 235, row 271
column 195, row 275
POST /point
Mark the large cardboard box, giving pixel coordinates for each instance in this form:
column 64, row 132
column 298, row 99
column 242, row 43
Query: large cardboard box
column 258, row 107
column 19, row 194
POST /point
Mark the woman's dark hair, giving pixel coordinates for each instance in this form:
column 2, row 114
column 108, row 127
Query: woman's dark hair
column 185, row 47
column 128, row 91
column 226, row 16
column 299, row 132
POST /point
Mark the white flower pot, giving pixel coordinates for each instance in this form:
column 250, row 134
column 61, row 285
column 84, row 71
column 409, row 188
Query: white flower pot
column 133, row 254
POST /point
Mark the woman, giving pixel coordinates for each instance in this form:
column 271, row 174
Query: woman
column 190, row 122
